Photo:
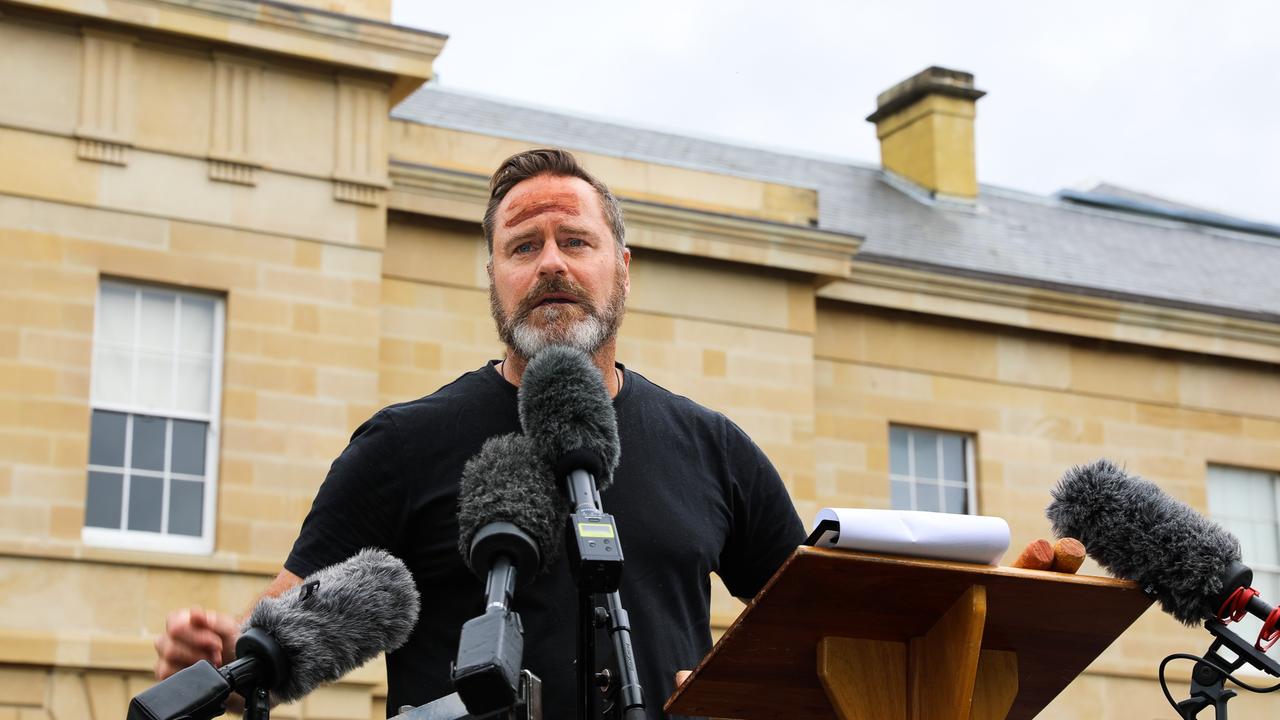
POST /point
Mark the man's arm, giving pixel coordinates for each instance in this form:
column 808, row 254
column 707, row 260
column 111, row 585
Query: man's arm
column 194, row 634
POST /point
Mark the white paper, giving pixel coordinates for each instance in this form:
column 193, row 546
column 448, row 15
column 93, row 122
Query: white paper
column 938, row 536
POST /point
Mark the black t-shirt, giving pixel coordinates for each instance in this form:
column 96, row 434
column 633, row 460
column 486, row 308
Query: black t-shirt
column 692, row 495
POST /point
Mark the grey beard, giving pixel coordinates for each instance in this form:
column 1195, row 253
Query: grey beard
column 588, row 334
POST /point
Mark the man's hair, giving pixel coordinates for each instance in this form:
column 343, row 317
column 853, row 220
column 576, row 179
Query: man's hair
column 547, row 161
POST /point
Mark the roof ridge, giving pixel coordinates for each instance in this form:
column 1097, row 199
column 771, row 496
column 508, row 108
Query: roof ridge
column 657, row 128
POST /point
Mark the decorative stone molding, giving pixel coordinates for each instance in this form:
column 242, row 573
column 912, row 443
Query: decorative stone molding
column 360, row 142
column 938, row 292
column 357, row 193
column 824, row 254
column 237, row 110
column 105, row 124
column 102, row 151
column 232, row 172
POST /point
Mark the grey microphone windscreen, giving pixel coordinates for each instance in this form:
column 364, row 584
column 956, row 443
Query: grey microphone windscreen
column 507, row 481
column 360, row 607
column 1138, row 532
column 566, row 410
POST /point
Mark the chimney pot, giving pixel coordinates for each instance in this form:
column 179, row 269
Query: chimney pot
column 925, row 126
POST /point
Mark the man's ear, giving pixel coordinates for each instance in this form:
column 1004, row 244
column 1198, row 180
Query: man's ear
column 626, row 271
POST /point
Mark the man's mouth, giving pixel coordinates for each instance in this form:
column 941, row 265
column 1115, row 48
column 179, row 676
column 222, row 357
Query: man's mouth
column 555, row 299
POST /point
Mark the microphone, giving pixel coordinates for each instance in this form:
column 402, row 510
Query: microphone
column 509, row 522
column 1136, row 531
column 336, row 620
column 566, row 411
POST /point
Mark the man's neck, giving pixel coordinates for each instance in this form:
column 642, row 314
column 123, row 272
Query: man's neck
column 512, row 367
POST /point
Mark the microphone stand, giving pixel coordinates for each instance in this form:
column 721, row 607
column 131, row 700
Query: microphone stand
column 596, row 559
column 1207, row 681
column 451, row 707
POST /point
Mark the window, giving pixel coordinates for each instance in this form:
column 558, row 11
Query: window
column 1247, row 504
column 157, row 357
column 930, row 470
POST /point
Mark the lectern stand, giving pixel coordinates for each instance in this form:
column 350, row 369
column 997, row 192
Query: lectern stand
column 840, row 634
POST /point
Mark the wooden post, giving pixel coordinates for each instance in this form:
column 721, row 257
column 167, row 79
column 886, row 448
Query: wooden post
column 943, row 675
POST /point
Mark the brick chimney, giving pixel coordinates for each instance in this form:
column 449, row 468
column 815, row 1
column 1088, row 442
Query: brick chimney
column 925, row 127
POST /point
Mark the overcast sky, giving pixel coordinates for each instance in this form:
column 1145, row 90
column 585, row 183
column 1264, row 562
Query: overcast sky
column 1177, row 98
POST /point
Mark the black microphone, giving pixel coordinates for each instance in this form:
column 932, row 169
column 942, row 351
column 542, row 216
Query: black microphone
column 509, row 522
column 336, row 620
column 565, row 409
column 1136, row 531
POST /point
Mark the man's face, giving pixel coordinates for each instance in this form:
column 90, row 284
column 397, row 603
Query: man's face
column 555, row 276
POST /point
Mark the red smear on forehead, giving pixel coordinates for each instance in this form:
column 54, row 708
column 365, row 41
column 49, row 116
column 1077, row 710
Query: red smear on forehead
column 565, row 202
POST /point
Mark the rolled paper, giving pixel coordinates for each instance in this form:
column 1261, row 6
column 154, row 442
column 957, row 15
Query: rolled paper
column 1068, row 555
column 1037, row 555
column 915, row 533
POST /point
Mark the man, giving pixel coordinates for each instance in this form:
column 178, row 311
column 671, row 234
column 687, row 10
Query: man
column 692, row 495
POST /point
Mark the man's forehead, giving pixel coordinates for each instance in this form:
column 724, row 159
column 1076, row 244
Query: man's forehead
column 533, row 204
column 547, row 193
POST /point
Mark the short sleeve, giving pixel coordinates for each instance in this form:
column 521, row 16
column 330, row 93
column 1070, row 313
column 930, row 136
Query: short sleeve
column 359, row 503
column 765, row 528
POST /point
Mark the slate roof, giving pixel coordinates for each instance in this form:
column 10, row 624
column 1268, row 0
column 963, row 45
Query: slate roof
column 1009, row 236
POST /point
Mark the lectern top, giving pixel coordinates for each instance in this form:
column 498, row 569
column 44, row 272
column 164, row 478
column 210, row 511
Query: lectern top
column 765, row 664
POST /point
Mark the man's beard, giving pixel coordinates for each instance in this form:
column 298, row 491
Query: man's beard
column 580, row 325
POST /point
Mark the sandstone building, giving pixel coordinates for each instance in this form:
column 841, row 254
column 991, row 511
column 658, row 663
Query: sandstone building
column 231, row 230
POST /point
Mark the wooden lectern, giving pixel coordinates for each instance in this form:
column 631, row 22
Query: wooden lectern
column 842, row 634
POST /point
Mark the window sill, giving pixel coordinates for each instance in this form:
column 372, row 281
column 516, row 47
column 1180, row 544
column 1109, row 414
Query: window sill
column 71, row 550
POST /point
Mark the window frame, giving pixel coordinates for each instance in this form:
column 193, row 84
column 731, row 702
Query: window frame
column 123, row 538
column 1217, row 518
column 970, row 464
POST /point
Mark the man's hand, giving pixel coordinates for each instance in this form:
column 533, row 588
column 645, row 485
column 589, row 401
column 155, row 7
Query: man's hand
column 193, row 635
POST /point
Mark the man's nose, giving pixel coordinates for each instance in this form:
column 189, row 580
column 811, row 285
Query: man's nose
column 550, row 260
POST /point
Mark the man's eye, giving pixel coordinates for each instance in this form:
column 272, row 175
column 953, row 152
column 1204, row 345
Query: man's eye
column 524, row 248
column 575, row 242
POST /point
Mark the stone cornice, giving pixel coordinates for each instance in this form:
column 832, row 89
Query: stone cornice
column 462, row 196
column 1128, row 321
column 304, row 33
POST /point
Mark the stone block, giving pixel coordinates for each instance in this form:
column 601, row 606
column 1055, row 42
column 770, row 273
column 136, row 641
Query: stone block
column 1124, row 375
column 70, row 450
column 23, row 686
column 106, row 693
column 337, row 702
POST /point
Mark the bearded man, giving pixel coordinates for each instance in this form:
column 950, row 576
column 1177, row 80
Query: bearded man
column 692, row 494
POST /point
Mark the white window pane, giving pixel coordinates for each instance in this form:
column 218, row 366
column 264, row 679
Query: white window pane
column 103, row 500
column 955, row 499
column 145, row 501
column 899, row 495
column 926, row 454
column 115, row 315
column 112, row 376
column 148, row 443
column 953, row 458
column 196, row 325
column 157, row 321
column 928, row 497
column 1262, row 501
column 899, row 463
column 155, row 382
column 186, row 507
column 187, row 447
column 1216, row 493
column 193, row 385
column 106, row 438
column 1266, row 545
column 1267, row 583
